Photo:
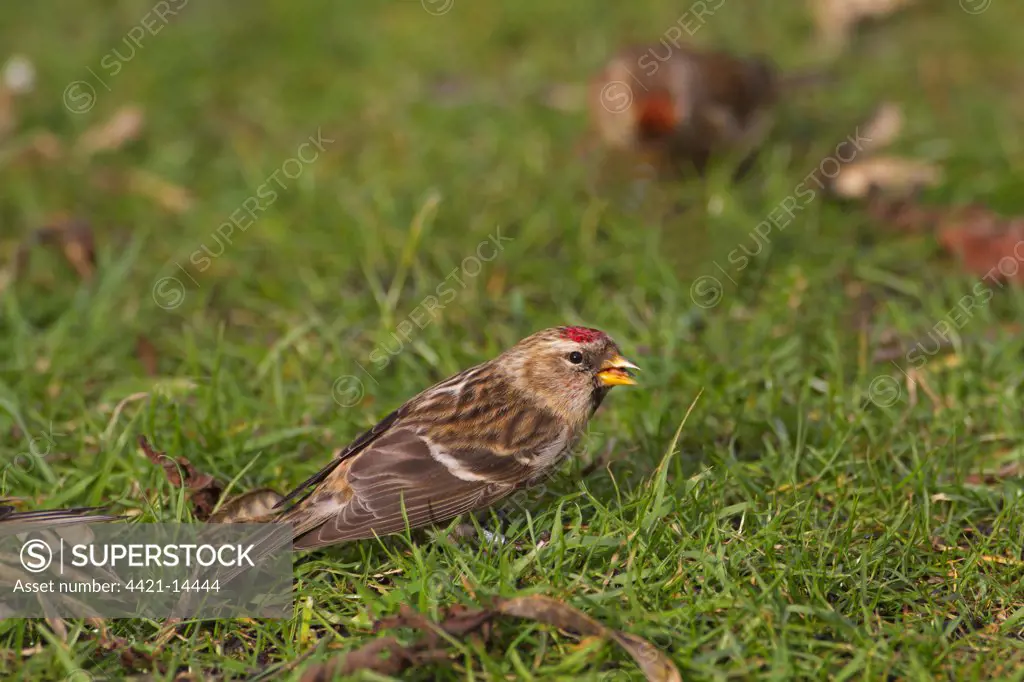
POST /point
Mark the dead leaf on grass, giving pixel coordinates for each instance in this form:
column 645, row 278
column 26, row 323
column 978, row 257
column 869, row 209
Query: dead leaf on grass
column 204, row 490
column 387, row 656
column 123, row 127
column 889, row 174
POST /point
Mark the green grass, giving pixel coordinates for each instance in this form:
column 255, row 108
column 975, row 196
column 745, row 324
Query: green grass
column 804, row 530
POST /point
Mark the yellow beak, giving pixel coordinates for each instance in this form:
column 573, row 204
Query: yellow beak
column 616, row 372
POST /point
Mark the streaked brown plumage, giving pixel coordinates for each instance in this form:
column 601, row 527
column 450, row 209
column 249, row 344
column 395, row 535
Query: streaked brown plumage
column 678, row 104
column 463, row 443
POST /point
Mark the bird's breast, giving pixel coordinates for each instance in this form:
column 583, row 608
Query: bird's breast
column 549, row 456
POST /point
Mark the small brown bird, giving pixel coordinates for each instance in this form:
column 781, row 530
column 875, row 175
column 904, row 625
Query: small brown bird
column 681, row 105
column 462, row 444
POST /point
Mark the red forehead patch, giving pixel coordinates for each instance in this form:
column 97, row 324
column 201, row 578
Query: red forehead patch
column 582, row 334
column 657, row 114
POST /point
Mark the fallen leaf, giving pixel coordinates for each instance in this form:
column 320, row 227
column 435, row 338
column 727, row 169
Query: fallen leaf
column 124, row 126
column 164, row 193
column 986, row 244
column 167, row 195
column 131, row 657
column 8, row 118
column 656, row 666
column 889, row 174
column 460, row 622
column 145, row 351
column 457, row 622
column 204, row 490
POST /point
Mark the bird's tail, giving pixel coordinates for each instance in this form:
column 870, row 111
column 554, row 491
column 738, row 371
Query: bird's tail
column 52, row 518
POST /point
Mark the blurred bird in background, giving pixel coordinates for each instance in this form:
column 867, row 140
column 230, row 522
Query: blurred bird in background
column 679, row 106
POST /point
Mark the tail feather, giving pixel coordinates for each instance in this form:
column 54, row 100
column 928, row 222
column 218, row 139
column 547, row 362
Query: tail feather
column 49, row 518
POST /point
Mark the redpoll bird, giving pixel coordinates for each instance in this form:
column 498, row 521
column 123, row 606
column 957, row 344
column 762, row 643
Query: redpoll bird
column 678, row 100
column 462, row 444
column 680, row 105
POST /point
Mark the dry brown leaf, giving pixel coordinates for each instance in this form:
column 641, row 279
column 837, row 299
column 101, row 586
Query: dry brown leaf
column 655, row 665
column 883, row 127
column 429, row 648
column 888, row 174
column 167, row 195
column 124, row 126
column 986, row 244
column 204, row 491
column 460, row 622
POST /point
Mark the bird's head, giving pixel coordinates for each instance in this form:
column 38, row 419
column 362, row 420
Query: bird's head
column 568, row 369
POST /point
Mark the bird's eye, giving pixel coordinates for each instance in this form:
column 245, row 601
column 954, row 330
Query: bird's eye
column 575, row 357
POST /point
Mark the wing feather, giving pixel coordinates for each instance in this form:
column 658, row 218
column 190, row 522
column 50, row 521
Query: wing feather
column 398, row 482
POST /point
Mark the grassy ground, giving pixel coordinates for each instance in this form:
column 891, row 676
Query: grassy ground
column 820, row 519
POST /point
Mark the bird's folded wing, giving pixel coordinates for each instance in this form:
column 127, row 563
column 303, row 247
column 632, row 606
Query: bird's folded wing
column 401, row 479
column 353, row 448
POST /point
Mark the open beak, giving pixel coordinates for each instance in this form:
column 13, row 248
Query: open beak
column 617, row 371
